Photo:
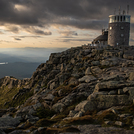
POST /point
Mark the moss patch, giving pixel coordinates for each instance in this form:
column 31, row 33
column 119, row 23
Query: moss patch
column 20, row 100
column 7, row 94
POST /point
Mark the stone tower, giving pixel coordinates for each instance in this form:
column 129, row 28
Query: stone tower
column 119, row 29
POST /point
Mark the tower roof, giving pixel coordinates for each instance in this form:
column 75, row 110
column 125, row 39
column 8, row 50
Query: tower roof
column 102, row 37
column 119, row 18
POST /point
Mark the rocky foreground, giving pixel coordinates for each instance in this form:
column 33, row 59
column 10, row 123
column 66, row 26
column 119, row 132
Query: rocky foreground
column 81, row 90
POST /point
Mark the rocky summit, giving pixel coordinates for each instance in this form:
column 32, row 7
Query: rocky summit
column 81, row 90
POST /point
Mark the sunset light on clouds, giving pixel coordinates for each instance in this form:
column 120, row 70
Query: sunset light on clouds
column 56, row 23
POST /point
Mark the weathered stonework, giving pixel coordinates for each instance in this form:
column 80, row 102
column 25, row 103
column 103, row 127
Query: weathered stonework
column 118, row 32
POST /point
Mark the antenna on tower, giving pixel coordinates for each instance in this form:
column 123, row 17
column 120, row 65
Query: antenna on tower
column 127, row 9
column 115, row 11
column 119, row 10
column 123, row 12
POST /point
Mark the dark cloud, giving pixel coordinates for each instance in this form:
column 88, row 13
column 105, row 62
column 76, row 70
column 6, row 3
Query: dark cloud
column 1, row 32
column 88, row 24
column 17, row 39
column 13, row 29
column 83, row 14
column 68, row 33
column 36, row 30
column 5, row 41
column 21, row 37
column 75, row 39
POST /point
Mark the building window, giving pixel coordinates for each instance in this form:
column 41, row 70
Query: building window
column 121, row 18
column 110, row 28
column 122, row 28
column 127, row 19
column 118, row 19
column 124, row 18
column 110, row 21
column 115, row 19
column 122, row 35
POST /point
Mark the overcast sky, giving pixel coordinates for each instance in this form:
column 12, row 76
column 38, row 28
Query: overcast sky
column 56, row 23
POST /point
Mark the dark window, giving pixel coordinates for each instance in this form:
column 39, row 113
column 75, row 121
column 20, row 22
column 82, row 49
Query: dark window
column 124, row 18
column 121, row 18
column 122, row 35
column 115, row 18
column 122, row 28
column 118, row 19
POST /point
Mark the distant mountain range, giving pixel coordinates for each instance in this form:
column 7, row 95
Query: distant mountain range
column 28, row 54
column 15, row 58
column 22, row 62
column 18, row 70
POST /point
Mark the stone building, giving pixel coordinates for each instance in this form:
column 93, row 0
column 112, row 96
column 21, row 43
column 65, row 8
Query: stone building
column 119, row 30
column 102, row 39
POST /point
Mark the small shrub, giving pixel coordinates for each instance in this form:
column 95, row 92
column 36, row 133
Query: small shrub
column 78, row 99
column 69, row 129
column 27, row 125
column 51, row 131
column 56, row 99
column 127, row 109
column 129, row 121
column 65, row 90
column 44, row 123
column 59, row 117
column 106, row 115
column 68, row 109
column 44, row 113
column 104, row 66
column 87, row 119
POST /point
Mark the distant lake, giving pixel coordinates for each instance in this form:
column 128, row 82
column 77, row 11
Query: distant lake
column 3, row 63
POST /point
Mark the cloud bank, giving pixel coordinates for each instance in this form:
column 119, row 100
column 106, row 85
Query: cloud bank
column 36, row 16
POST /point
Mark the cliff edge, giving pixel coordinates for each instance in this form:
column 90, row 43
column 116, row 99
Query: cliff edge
column 73, row 90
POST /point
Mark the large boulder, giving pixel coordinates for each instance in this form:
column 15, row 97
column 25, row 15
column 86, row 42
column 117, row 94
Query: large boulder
column 110, row 62
column 115, row 77
column 131, row 77
column 85, row 105
column 130, row 91
column 58, row 107
column 49, row 97
column 8, row 121
column 2, row 132
column 103, row 101
column 100, row 101
column 95, row 63
column 105, row 63
column 73, row 81
column 108, row 85
column 96, row 70
column 62, row 77
column 87, row 78
column 88, row 71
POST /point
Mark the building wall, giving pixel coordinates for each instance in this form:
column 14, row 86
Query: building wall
column 118, row 33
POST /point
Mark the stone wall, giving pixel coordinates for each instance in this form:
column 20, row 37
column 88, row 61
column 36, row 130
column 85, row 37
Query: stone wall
column 118, row 32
